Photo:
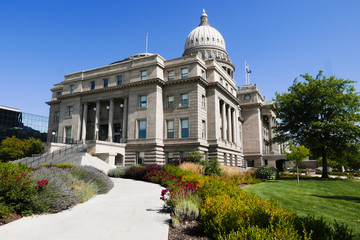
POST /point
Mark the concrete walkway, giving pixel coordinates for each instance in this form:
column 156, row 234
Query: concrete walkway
column 129, row 211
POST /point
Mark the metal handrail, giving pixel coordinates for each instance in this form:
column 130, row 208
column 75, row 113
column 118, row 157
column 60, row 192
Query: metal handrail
column 48, row 157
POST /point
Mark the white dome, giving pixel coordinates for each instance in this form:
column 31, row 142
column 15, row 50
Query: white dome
column 204, row 35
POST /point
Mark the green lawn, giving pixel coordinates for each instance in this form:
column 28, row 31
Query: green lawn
column 331, row 199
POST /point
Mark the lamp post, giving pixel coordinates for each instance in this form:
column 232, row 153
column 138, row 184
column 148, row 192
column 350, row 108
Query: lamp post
column 97, row 134
column 53, row 137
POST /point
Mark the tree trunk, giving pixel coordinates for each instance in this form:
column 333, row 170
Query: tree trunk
column 325, row 170
column 297, row 173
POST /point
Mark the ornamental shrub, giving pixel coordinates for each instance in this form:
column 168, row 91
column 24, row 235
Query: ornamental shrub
column 267, row 172
column 117, row 172
column 61, row 192
column 17, row 190
column 194, row 156
column 211, row 167
column 186, row 209
column 93, row 175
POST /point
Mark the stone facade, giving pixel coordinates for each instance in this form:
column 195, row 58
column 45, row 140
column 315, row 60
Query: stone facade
column 150, row 110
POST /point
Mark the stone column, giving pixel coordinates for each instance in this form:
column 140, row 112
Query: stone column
column 111, row 120
column 235, row 127
column 270, row 133
column 223, row 121
column 229, row 124
column 83, row 132
column 97, row 118
column 124, row 126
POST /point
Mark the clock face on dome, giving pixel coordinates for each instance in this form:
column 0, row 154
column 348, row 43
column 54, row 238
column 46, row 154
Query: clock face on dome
column 247, row 97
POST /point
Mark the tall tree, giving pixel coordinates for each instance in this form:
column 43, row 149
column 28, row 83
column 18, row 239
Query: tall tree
column 322, row 114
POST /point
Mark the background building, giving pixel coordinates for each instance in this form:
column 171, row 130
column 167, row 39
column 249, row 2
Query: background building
column 22, row 125
column 145, row 109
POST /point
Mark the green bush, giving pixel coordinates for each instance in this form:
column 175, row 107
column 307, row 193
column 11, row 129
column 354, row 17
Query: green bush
column 267, row 172
column 93, row 175
column 211, row 167
column 17, row 190
column 14, row 148
column 194, row 156
column 321, row 230
column 117, row 172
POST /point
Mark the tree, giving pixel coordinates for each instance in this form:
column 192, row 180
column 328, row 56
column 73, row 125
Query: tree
column 322, row 114
column 296, row 155
column 14, row 148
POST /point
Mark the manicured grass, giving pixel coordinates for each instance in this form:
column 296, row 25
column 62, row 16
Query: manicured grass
column 330, row 199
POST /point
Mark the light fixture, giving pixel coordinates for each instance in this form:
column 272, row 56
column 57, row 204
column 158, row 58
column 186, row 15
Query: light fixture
column 94, row 108
column 107, row 107
column 121, row 105
column 53, row 133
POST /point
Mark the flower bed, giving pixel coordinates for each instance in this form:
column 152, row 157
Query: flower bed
column 224, row 211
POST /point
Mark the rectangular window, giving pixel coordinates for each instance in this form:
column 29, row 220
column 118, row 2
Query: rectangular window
column 70, row 111
column 119, row 80
column 58, row 93
column 203, row 101
column 72, row 88
column 250, row 163
column 143, row 75
column 171, row 75
column 92, row 85
column 140, row 158
column 105, row 83
column 184, row 128
column 142, row 101
column 208, row 54
column 169, row 156
column 142, row 129
column 57, row 116
column 203, row 129
column 184, row 73
column 170, row 102
column 184, row 99
column 170, row 128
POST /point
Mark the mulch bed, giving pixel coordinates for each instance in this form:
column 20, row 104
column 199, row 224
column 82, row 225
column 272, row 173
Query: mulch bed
column 186, row 231
column 12, row 218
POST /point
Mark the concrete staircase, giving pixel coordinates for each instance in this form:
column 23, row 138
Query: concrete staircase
column 75, row 154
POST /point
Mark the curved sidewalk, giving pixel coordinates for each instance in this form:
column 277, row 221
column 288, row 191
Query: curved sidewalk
column 131, row 210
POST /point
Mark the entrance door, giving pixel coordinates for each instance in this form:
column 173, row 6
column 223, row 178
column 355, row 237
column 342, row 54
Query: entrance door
column 103, row 132
column 67, row 134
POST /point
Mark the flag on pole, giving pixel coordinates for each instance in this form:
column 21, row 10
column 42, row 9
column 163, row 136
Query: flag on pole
column 247, row 69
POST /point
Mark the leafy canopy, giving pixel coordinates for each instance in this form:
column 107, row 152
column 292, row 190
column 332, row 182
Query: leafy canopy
column 297, row 153
column 320, row 113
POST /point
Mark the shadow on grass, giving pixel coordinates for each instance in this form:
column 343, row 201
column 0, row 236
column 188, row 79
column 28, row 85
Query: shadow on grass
column 346, row 198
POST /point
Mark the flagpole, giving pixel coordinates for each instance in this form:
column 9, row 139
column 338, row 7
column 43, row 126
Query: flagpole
column 146, row 43
column 245, row 74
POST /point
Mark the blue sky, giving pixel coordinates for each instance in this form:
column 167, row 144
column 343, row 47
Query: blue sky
column 41, row 41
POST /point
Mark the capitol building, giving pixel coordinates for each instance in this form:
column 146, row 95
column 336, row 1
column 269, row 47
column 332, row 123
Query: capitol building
column 146, row 109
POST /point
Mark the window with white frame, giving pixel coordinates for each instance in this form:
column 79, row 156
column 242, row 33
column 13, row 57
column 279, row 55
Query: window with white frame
column 92, row 85
column 142, row 101
column 170, row 102
column 142, row 128
column 170, row 129
column 184, row 73
column 143, row 75
column 203, row 101
column 184, row 128
column 185, row 99
column 203, row 129
column 171, row 75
